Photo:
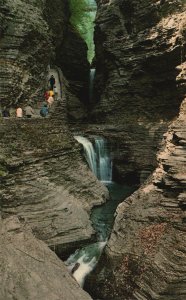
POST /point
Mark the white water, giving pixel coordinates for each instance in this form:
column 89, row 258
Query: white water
column 90, row 154
column 104, row 163
column 86, row 259
column 91, row 83
column 98, row 157
column 83, row 261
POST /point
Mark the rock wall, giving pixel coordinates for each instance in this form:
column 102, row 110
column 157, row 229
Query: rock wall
column 34, row 35
column 71, row 57
column 145, row 257
column 45, row 181
column 41, row 169
column 139, row 45
column 25, row 50
column 30, row 270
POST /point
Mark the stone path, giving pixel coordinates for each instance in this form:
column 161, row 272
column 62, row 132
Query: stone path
column 38, row 106
column 57, row 84
column 58, row 93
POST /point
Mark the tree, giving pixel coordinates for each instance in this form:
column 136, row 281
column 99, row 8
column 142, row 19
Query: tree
column 82, row 18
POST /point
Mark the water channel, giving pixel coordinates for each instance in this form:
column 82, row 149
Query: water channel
column 84, row 260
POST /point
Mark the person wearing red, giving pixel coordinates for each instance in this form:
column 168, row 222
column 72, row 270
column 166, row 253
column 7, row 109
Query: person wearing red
column 46, row 95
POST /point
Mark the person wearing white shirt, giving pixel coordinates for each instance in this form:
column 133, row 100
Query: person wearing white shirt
column 19, row 112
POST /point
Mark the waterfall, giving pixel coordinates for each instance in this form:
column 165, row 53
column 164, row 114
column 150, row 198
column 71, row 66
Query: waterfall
column 98, row 157
column 90, row 154
column 91, row 83
column 104, row 163
column 83, row 261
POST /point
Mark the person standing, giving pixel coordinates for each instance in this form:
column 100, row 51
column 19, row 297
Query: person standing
column 44, row 110
column 29, row 112
column 19, row 112
column 52, row 82
column 51, row 93
column 5, row 112
column 50, row 101
column 46, row 95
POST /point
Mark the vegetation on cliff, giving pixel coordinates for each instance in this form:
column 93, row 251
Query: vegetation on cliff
column 82, row 18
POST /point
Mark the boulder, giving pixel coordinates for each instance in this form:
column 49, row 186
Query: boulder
column 30, row 270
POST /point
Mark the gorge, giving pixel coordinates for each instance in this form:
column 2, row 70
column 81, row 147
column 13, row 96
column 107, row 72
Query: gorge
column 51, row 202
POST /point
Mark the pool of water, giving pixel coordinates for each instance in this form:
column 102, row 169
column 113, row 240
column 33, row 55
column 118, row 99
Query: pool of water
column 103, row 216
column 84, row 260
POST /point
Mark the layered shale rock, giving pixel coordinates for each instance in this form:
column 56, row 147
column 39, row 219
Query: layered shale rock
column 146, row 254
column 139, row 44
column 34, row 35
column 145, row 257
column 44, row 178
column 29, row 270
column 45, row 181
column 25, row 50
column 71, row 57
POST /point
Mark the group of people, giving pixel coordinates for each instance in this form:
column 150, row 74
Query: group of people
column 28, row 110
column 49, row 98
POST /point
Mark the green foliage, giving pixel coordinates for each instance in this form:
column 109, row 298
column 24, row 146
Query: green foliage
column 82, row 19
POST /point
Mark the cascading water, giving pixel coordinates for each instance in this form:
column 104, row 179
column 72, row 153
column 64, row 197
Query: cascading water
column 83, row 261
column 90, row 154
column 91, row 83
column 98, row 157
column 104, row 163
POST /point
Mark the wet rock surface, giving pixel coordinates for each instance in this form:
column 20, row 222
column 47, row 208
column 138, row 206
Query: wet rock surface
column 147, row 246
column 133, row 149
column 144, row 48
column 140, row 83
column 30, row 270
column 139, row 46
column 45, row 180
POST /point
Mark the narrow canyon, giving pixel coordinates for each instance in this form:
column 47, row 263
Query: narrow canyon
column 93, row 196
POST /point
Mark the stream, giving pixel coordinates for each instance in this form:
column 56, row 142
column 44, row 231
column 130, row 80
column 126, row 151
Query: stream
column 84, row 260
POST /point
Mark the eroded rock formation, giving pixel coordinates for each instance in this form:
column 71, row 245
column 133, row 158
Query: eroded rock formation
column 139, row 44
column 25, row 50
column 45, row 181
column 30, row 270
column 34, row 35
column 145, row 257
column 146, row 254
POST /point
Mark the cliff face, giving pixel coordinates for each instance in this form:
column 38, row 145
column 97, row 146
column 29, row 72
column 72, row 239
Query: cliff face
column 139, row 44
column 45, row 181
column 145, row 257
column 34, row 35
column 146, row 254
column 29, row 269
column 71, row 56
column 25, row 50
column 41, row 169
